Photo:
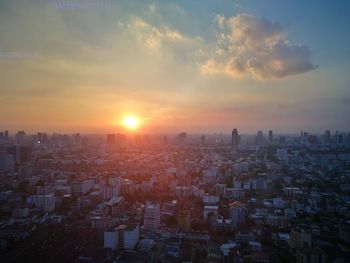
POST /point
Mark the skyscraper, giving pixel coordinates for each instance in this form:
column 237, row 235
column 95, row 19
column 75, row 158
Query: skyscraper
column 151, row 220
column 327, row 137
column 234, row 141
column 184, row 220
column 270, row 136
column 20, row 137
column 203, row 139
column 20, row 154
column 260, row 138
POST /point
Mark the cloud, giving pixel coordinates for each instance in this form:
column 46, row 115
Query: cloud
column 163, row 41
column 151, row 36
column 257, row 47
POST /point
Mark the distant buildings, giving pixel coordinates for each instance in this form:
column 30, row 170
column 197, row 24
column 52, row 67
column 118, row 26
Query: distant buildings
column 270, row 136
column 4, row 135
column 259, row 138
column 6, row 162
column 234, row 137
column 20, row 137
column 111, row 139
column 20, row 153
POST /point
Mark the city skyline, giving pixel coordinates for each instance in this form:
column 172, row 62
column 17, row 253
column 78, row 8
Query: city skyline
column 195, row 66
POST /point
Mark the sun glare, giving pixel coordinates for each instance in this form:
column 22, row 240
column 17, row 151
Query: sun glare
column 131, row 122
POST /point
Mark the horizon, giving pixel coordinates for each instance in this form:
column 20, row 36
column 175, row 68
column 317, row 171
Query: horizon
column 174, row 133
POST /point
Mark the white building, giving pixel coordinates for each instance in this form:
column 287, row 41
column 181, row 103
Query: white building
column 151, row 220
column 128, row 236
column 111, row 239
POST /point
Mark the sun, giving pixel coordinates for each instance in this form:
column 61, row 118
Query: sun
column 131, row 122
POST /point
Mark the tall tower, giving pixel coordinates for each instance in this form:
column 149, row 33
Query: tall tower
column 259, row 138
column 183, row 220
column 270, row 136
column 234, row 141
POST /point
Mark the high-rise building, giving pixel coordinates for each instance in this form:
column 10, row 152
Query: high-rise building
column 128, row 236
column 182, row 137
column 260, row 138
column 20, row 137
column 6, row 135
column 237, row 213
column 270, row 136
column 108, row 191
column 327, row 139
column 111, row 138
column 151, row 219
column 42, row 137
column 116, row 206
column 184, row 220
column 234, row 141
column 203, row 139
column 111, row 239
column 6, row 162
column 20, row 154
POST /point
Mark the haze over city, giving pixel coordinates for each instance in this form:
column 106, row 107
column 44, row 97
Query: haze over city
column 174, row 131
column 199, row 66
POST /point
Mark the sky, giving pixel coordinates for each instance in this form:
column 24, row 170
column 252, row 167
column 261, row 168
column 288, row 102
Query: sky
column 198, row 66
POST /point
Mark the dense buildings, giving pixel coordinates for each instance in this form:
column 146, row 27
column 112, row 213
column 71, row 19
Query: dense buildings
column 279, row 200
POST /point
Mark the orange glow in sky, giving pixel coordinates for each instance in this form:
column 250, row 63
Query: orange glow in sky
column 131, row 122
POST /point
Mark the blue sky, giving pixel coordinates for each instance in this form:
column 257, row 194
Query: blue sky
column 200, row 65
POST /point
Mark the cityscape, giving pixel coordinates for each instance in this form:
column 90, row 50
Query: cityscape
column 174, row 131
column 175, row 198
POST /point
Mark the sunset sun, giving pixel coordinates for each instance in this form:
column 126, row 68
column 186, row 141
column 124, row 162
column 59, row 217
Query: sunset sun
column 131, row 122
